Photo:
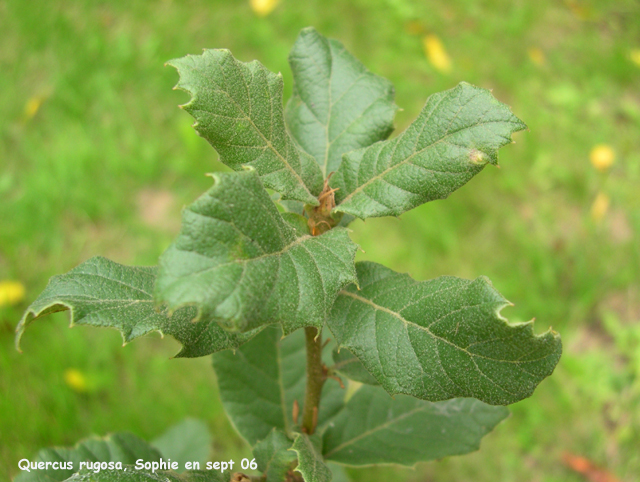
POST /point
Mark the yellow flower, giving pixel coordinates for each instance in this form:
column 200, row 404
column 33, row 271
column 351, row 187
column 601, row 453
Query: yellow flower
column 75, row 380
column 635, row 56
column 600, row 207
column 536, row 55
column 436, row 53
column 602, row 157
column 32, row 107
column 11, row 292
column 263, row 7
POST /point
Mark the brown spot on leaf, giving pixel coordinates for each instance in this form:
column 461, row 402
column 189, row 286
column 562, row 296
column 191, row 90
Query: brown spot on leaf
column 478, row 157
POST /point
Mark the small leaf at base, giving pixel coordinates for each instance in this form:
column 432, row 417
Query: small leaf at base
column 374, row 428
column 274, row 457
column 311, row 464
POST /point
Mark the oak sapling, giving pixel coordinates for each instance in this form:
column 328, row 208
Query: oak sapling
column 269, row 284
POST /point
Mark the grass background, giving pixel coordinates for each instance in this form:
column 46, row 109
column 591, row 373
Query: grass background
column 95, row 158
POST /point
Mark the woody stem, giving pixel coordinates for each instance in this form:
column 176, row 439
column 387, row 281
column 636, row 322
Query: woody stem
column 315, row 380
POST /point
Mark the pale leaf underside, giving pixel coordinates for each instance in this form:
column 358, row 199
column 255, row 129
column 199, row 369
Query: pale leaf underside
column 440, row 339
column 457, row 133
column 374, row 428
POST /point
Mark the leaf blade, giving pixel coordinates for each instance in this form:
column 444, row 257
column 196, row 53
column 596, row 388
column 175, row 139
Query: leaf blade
column 456, row 134
column 373, row 429
column 121, row 447
column 440, row 339
column 243, row 265
column 310, row 461
column 103, row 293
column 274, row 457
column 238, row 110
column 269, row 371
column 133, row 475
column 337, row 104
column 347, row 364
column 187, row 441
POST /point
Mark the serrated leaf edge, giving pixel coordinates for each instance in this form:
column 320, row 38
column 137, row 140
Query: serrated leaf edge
column 180, row 86
column 30, row 315
column 497, row 311
column 518, row 126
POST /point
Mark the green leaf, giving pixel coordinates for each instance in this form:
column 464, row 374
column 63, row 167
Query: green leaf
column 133, row 475
column 339, row 474
column 273, row 456
column 457, row 133
column 440, row 339
column 374, row 428
column 297, row 222
column 347, row 364
column 310, row 461
column 238, row 109
column 260, row 381
column 243, row 265
column 337, row 104
column 187, row 441
column 125, row 448
column 100, row 292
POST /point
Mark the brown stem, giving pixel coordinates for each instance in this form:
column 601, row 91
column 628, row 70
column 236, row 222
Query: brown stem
column 315, row 380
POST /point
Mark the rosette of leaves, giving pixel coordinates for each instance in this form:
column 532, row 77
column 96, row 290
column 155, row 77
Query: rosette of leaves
column 254, row 278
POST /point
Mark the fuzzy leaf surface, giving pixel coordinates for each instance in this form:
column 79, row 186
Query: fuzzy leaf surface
column 374, row 428
column 273, row 456
column 133, row 475
column 440, row 339
column 337, row 104
column 238, row 110
column 243, row 265
column 260, row 381
column 101, row 292
column 118, row 447
column 311, row 464
column 187, row 441
column 457, row 133
column 349, row 365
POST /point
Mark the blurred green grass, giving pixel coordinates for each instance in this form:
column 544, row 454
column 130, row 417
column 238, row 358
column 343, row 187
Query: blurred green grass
column 95, row 158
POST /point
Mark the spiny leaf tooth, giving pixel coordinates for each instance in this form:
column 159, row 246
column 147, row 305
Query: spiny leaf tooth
column 440, row 339
column 120, row 297
column 238, row 110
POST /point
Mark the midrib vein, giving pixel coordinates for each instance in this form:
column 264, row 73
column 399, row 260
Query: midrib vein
column 373, row 430
column 267, row 141
column 424, row 328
